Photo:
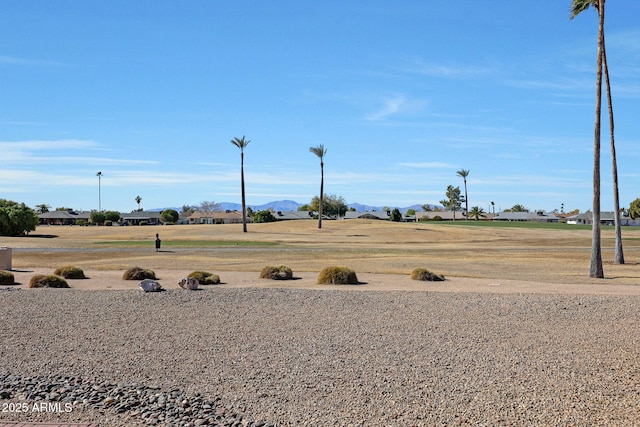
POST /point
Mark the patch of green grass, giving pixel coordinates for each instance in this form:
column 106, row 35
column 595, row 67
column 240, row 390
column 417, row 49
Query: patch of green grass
column 185, row 243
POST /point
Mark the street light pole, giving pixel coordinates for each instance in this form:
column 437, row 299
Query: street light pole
column 99, row 175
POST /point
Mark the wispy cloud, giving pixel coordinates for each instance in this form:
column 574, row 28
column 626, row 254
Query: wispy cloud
column 427, row 165
column 393, row 106
column 13, row 60
column 447, row 71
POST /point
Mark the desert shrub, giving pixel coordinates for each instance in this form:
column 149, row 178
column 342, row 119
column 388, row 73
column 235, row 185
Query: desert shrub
column 263, row 216
column 112, row 216
column 276, row 273
column 426, row 275
column 143, row 223
column 97, row 218
column 108, row 223
column 169, row 216
column 337, row 276
column 437, row 218
column 47, row 281
column 137, row 273
column 6, row 278
column 81, row 222
column 205, row 278
column 70, row 272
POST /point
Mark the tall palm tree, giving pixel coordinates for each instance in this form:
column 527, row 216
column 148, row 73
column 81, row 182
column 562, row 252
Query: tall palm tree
column 320, row 151
column 138, row 199
column 464, row 174
column 595, row 268
column 241, row 143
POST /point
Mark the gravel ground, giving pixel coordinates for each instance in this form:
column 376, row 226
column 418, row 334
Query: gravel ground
column 292, row 357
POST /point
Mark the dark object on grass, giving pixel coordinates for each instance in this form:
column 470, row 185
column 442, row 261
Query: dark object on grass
column 137, row 273
column 47, row 281
column 337, row 276
column 6, row 278
column 276, row 273
column 426, row 275
column 205, row 278
column 70, row 272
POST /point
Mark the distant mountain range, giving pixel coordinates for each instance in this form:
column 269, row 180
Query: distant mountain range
column 290, row 205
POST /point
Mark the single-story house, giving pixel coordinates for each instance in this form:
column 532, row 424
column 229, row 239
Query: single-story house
column 368, row 215
column 136, row 217
column 606, row 218
column 537, row 216
column 292, row 215
column 66, row 217
column 217, row 217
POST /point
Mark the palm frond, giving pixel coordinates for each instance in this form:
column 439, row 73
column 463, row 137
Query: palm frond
column 579, row 6
column 240, row 142
column 319, row 151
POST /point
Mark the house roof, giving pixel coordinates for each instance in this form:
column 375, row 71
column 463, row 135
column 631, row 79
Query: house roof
column 68, row 214
column 140, row 215
column 366, row 215
column 216, row 214
column 289, row 215
column 525, row 216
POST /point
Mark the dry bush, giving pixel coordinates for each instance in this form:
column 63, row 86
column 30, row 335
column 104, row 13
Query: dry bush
column 6, row 278
column 337, row 276
column 276, row 273
column 205, row 278
column 426, row 275
column 70, row 272
column 47, row 281
column 137, row 273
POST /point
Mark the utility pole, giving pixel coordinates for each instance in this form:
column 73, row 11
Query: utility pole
column 99, row 175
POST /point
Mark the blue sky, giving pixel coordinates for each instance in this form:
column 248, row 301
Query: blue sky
column 402, row 94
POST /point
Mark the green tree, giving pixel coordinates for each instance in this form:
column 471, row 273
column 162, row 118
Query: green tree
column 97, row 217
column 396, row 216
column 477, row 213
column 241, row 143
column 169, row 216
column 578, row 6
column 332, row 205
column 464, row 174
column 634, row 209
column 518, row 208
column 264, row 216
column 187, row 210
column 16, row 219
column 595, row 269
column 411, row 212
column 138, row 199
column 42, row 208
column 320, row 151
column 112, row 216
column 453, row 202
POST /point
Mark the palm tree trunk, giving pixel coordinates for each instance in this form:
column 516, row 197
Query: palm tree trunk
column 321, row 194
column 244, row 207
column 595, row 269
column 466, row 200
column 618, row 257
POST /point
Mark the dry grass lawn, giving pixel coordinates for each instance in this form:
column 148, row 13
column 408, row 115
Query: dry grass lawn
column 497, row 253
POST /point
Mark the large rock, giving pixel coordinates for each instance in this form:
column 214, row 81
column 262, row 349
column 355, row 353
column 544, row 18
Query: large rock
column 189, row 283
column 150, row 285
